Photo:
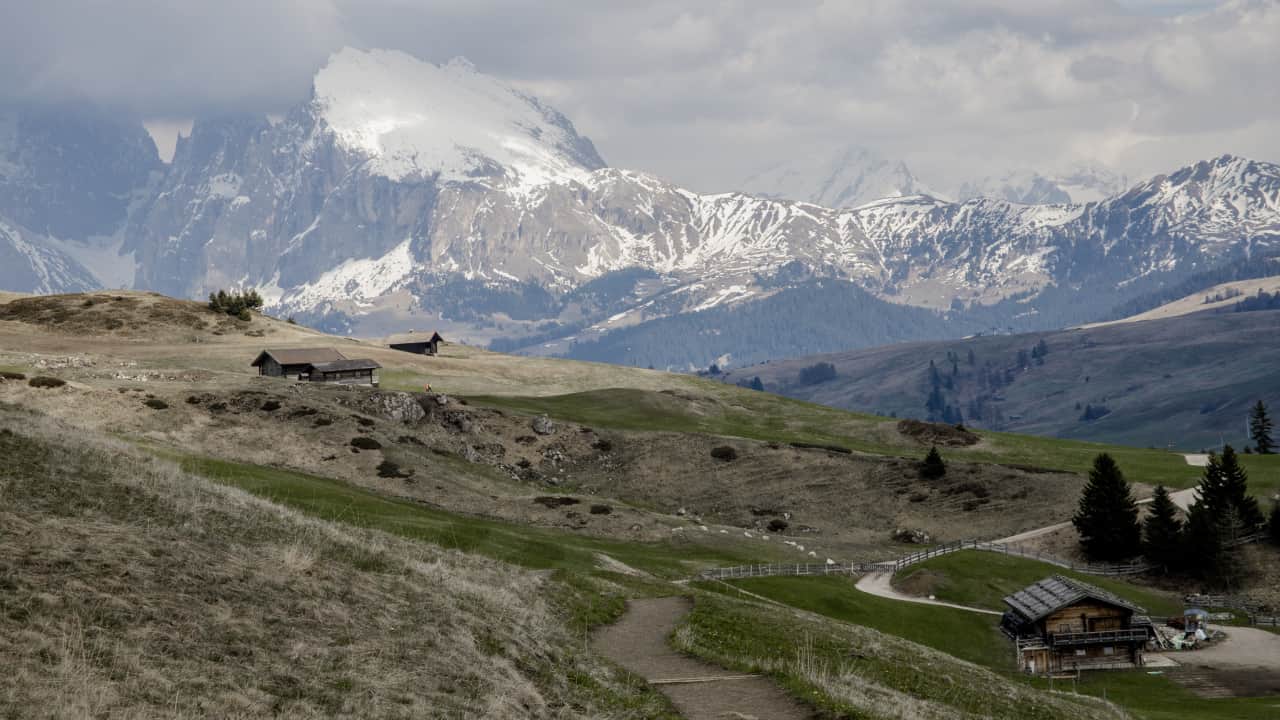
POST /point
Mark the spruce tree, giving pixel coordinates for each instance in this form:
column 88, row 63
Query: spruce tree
column 933, row 467
column 1235, row 490
column 1260, row 429
column 1162, row 531
column 1107, row 519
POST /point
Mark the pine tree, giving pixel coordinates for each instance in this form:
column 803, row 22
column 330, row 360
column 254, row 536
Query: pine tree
column 1107, row 519
column 1260, row 429
column 933, row 467
column 1235, row 492
column 1162, row 531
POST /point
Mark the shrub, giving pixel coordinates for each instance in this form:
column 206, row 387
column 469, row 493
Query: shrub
column 271, row 406
column 6, row 375
column 725, row 453
column 917, row 497
column 777, row 525
column 365, row 443
column 601, row 509
column 602, row 445
column 44, row 381
column 555, row 501
column 388, row 469
column 156, row 404
column 321, row 422
column 235, row 303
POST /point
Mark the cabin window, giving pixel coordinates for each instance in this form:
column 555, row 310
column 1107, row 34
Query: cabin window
column 1064, row 628
column 1108, row 650
column 1080, row 652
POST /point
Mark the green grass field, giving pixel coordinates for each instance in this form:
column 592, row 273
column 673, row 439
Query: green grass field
column 518, row 544
column 983, row 579
column 975, row 637
column 970, row 636
column 730, row 411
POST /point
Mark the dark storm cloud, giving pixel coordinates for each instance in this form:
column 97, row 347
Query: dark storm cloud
column 705, row 92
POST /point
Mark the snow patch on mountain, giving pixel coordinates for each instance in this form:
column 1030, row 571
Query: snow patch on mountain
column 414, row 118
column 360, row 281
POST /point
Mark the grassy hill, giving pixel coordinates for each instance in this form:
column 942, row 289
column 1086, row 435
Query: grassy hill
column 345, row 552
column 1184, row 382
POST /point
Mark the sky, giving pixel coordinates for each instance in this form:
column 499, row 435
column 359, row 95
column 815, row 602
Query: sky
column 707, row 93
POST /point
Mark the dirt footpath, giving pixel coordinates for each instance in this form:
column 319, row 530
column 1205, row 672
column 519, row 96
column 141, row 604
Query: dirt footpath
column 700, row 691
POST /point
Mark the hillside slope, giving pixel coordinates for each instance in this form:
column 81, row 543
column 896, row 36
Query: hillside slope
column 1220, row 297
column 1183, row 382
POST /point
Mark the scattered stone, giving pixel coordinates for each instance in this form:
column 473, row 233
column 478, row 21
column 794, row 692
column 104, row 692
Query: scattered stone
column 542, row 425
column 911, row 536
column 398, row 407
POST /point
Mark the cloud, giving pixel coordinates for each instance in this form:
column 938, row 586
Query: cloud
column 705, row 93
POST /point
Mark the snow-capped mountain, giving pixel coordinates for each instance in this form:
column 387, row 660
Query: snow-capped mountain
column 1079, row 183
column 403, row 193
column 30, row 263
column 847, row 178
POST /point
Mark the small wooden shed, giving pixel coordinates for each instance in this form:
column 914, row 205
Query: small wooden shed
column 419, row 345
column 1061, row 624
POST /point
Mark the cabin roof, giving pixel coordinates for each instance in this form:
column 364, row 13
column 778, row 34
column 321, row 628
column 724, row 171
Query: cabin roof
column 344, row 365
column 1045, row 597
column 410, row 338
column 298, row 356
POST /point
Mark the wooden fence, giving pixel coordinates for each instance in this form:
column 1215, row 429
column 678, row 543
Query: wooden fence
column 788, row 569
column 1136, row 567
column 1232, row 602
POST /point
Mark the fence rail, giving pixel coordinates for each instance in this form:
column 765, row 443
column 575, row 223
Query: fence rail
column 1136, row 567
column 788, row 569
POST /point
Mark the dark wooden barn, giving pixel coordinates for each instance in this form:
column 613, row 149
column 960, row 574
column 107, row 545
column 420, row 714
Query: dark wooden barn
column 344, row 372
column 418, row 346
column 293, row 363
column 1062, row 624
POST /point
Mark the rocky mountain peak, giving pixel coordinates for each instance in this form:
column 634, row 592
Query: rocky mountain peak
column 411, row 118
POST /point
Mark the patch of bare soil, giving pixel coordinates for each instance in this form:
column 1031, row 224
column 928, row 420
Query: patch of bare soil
column 927, row 433
column 638, row 642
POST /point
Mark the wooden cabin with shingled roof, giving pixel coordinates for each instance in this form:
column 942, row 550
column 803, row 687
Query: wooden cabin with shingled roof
column 1061, row 624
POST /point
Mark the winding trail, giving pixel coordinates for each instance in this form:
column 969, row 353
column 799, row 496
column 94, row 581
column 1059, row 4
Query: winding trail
column 699, row 690
column 880, row 583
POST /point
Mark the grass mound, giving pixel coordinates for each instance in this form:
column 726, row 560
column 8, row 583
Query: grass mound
column 132, row 589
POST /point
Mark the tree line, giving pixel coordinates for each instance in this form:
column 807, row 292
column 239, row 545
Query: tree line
column 1203, row 545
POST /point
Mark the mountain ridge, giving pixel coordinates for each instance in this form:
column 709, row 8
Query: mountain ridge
column 352, row 212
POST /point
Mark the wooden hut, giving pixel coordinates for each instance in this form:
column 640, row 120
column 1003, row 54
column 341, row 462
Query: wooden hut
column 417, row 344
column 344, row 372
column 1062, row 624
column 293, row 363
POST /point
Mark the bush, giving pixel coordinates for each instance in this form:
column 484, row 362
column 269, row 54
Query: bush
column 271, row 406
column 388, row 469
column 365, row 443
column 44, row 381
column 725, row 453
column 156, row 404
column 818, row 446
column 602, row 445
column 12, row 376
column 555, row 501
column 601, row 509
column 235, row 303
column 321, row 422
column 817, row 373
column 777, row 525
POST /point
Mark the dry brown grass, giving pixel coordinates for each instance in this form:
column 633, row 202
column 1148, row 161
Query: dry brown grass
column 130, row 589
